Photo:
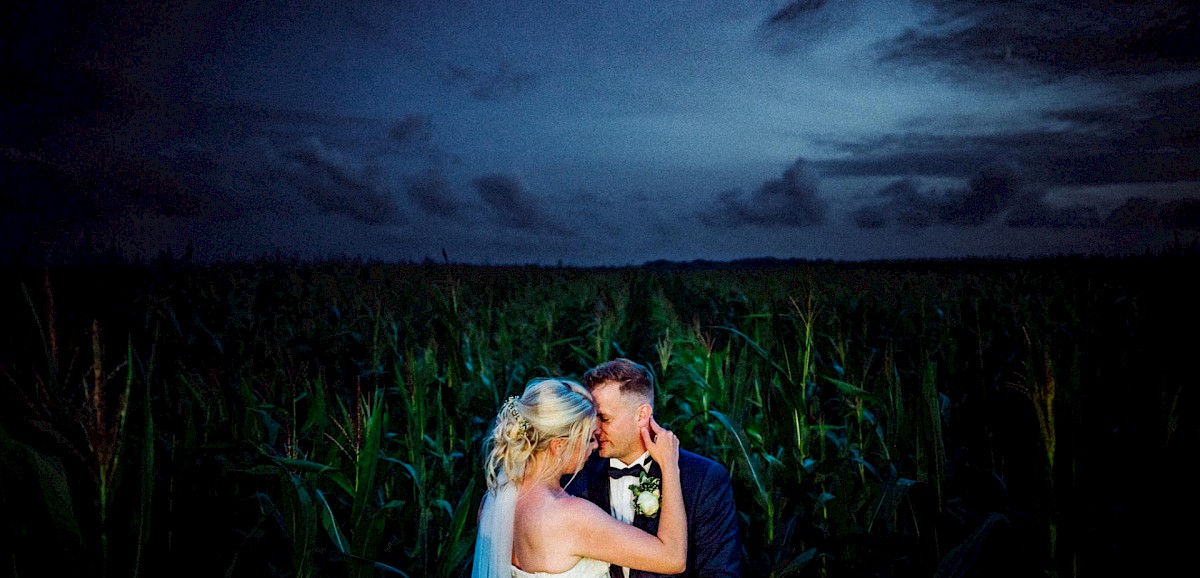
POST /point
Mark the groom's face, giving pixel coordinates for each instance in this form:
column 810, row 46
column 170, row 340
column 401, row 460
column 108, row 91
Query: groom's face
column 620, row 419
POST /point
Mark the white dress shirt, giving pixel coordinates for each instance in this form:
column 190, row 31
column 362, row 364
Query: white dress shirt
column 620, row 500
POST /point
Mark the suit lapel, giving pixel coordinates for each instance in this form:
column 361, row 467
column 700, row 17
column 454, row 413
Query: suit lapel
column 645, row 523
column 598, row 486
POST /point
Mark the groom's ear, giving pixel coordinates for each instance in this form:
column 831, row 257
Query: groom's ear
column 644, row 413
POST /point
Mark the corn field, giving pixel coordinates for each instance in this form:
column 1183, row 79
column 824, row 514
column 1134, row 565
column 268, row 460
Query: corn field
column 286, row 418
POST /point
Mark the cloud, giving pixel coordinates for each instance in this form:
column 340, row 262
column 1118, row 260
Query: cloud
column 105, row 202
column 506, row 197
column 1040, row 215
column 1141, row 213
column 1161, row 120
column 1182, row 214
column 431, row 191
column 953, row 154
column 996, row 189
column 412, row 136
column 1155, row 137
column 335, row 185
column 908, row 206
column 1048, row 41
column 1137, row 213
column 989, row 192
column 791, row 201
column 238, row 181
column 998, row 195
column 413, row 130
column 495, row 84
column 39, row 204
column 901, row 203
column 910, row 154
column 800, row 24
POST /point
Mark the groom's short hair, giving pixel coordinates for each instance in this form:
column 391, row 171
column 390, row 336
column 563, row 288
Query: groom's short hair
column 634, row 377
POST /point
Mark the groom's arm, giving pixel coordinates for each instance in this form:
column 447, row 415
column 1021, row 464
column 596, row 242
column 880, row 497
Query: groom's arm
column 717, row 542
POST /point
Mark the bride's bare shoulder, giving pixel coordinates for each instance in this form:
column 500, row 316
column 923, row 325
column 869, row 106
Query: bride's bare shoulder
column 573, row 508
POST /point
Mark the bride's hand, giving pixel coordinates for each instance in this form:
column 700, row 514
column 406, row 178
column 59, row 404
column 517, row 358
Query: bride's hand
column 662, row 444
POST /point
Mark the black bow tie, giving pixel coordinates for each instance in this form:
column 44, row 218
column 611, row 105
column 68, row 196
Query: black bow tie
column 635, row 470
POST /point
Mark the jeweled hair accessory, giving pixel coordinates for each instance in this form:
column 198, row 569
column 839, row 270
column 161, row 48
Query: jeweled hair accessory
column 510, row 406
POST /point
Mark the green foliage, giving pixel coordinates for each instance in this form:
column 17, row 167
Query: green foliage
column 326, row 419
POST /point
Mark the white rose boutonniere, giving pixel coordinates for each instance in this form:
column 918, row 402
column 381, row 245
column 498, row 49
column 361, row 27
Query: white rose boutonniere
column 646, row 495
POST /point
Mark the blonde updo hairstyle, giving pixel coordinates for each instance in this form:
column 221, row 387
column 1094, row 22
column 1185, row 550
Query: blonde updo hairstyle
column 548, row 409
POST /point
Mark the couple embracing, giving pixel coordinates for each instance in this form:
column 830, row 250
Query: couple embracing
column 584, row 483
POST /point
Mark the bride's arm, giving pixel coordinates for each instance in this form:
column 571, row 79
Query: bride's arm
column 599, row 535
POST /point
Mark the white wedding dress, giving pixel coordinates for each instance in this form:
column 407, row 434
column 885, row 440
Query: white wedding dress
column 585, row 568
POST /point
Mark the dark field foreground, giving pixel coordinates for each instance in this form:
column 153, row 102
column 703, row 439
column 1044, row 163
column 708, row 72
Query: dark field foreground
column 951, row 419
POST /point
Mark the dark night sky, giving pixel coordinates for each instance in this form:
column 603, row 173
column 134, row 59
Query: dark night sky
column 599, row 133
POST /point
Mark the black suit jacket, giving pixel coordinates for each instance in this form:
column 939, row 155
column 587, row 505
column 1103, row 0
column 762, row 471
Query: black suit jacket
column 714, row 538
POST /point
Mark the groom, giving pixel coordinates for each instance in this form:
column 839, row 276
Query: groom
column 624, row 393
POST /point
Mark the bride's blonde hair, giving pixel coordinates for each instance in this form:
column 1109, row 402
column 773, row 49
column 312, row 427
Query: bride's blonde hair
column 547, row 410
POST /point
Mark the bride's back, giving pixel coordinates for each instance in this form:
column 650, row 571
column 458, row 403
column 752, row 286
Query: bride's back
column 544, row 531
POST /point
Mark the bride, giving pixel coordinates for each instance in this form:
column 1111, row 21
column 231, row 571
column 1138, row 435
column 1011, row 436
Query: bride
column 530, row 526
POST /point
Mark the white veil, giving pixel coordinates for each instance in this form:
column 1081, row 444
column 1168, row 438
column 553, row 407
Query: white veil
column 493, row 543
